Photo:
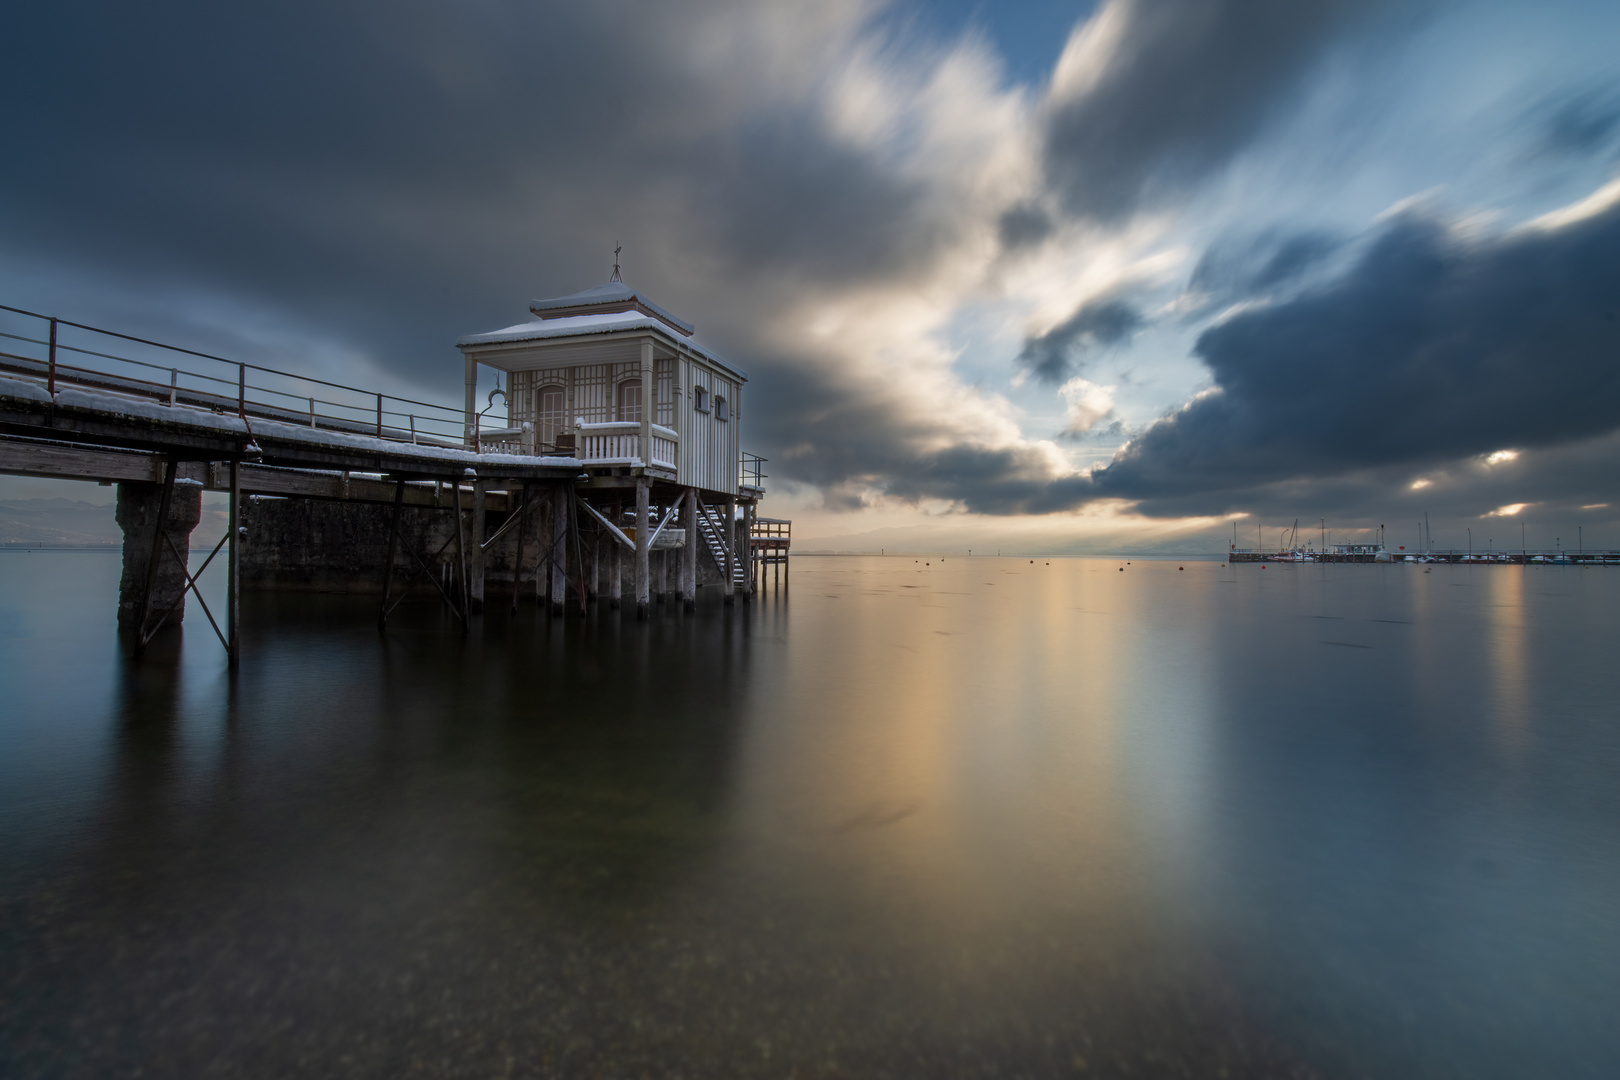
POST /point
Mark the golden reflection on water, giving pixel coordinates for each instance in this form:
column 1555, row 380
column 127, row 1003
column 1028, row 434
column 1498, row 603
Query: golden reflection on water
column 946, row 735
column 1509, row 660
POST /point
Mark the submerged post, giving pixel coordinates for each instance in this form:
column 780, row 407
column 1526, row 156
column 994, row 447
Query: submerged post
column 393, row 547
column 689, row 552
column 517, row 561
column 747, row 540
column 559, row 549
column 461, row 558
column 643, row 530
column 615, row 564
column 728, row 539
column 479, row 499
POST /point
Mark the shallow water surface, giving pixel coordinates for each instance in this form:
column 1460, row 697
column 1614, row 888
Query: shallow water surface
column 959, row 817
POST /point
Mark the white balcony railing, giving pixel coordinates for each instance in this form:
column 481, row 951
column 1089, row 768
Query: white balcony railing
column 620, row 443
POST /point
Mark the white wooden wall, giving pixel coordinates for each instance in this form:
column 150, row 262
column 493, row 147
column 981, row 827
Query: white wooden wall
column 710, row 448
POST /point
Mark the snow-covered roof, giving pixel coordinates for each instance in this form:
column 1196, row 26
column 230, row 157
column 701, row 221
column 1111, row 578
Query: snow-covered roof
column 612, row 322
column 608, row 293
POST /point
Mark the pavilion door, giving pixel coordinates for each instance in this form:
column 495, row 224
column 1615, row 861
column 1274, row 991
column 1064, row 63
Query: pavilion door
column 549, row 414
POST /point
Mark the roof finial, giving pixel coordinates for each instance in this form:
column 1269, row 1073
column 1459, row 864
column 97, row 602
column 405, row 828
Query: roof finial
column 616, row 249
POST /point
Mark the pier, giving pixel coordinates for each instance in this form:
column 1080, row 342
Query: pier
column 609, row 462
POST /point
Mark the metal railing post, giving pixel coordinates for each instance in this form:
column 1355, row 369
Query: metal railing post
column 241, row 390
column 50, row 379
column 379, row 416
column 174, row 385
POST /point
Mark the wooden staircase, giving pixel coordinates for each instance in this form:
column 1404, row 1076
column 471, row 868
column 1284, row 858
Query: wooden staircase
column 715, row 543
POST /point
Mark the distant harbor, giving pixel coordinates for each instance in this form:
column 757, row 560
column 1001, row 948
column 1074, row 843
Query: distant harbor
column 1372, row 553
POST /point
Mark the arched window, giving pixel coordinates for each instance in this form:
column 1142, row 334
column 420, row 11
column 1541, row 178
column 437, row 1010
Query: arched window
column 722, row 408
column 548, row 414
column 700, row 399
column 629, row 403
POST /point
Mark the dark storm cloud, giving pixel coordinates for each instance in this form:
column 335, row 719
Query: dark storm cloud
column 399, row 175
column 1055, row 355
column 1190, row 83
column 1240, row 267
column 1429, row 349
column 1428, row 353
column 1580, row 122
column 1024, row 226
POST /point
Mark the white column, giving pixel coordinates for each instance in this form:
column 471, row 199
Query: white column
column 648, row 391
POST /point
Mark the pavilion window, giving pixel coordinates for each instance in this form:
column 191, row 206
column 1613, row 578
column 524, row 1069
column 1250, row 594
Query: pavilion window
column 700, row 399
column 722, row 408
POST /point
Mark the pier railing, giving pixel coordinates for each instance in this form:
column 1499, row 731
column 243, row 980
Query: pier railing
column 61, row 354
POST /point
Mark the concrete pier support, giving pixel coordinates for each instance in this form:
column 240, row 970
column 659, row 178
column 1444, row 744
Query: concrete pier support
column 643, row 534
column 137, row 514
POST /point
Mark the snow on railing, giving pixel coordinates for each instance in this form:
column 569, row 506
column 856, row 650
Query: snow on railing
column 620, row 442
column 59, row 352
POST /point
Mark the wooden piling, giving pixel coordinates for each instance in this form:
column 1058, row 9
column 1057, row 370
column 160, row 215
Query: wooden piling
column 559, row 548
column 689, row 552
column 615, row 566
column 643, row 532
column 461, row 560
column 517, row 560
column 393, row 548
column 479, row 519
column 728, row 539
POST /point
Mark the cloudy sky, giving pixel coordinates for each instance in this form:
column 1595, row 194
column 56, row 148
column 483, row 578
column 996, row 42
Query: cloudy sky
column 1044, row 276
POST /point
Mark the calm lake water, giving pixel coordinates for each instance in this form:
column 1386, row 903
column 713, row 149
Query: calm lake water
column 960, row 817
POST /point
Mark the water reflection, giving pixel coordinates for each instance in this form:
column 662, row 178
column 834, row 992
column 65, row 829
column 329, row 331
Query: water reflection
column 956, row 818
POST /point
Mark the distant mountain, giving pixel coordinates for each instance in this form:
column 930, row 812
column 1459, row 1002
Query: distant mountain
column 62, row 522
column 58, row 522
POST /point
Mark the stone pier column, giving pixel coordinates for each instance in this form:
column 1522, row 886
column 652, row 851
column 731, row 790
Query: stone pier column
column 137, row 512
